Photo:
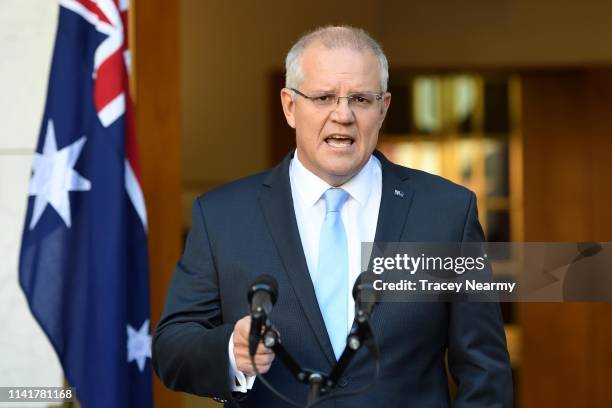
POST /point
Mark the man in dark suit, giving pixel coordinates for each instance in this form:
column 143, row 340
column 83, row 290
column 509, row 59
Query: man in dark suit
column 302, row 223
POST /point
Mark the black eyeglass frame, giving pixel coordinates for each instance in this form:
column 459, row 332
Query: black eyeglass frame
column 349, row 98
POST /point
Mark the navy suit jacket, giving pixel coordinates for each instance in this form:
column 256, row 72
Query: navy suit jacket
column 248, row 228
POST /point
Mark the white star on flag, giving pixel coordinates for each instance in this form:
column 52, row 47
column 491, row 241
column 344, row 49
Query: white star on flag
column 54, row 176
column 139, row 344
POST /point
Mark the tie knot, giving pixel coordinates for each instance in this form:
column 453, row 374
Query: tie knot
column 334, row 199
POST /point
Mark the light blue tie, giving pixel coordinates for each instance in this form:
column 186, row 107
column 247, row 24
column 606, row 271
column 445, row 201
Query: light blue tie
column 331, row 285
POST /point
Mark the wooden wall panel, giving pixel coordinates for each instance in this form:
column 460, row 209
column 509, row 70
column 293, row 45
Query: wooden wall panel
column 156, row 66
column 567, row 141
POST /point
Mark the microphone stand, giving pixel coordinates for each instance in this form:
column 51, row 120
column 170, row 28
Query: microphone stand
column 319, row 383
column 360, row 334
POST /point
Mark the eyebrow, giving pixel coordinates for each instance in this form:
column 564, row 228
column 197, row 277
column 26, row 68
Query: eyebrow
column 348, row 93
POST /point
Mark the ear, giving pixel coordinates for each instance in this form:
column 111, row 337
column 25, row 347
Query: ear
column 288, row 106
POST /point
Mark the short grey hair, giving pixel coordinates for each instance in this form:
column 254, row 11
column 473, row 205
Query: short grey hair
column 334, row 37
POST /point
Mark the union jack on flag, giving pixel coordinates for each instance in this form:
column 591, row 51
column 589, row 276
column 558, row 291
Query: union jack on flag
column 83, row 264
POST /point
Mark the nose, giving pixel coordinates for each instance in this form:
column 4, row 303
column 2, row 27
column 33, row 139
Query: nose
column 342, row 112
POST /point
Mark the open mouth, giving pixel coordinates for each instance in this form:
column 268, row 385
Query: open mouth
column 339, row 141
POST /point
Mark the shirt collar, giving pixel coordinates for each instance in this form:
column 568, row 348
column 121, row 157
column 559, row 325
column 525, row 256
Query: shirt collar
column 310, row 187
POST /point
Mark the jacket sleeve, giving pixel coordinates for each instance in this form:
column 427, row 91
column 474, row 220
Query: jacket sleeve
column 190, row 343
column 477, row 352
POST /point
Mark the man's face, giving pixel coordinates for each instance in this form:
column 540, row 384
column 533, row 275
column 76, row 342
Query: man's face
column 335, row 142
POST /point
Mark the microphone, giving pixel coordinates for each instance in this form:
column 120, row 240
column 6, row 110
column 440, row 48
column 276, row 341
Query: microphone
column 366, row 299
column 364, row 295
column 262, row 296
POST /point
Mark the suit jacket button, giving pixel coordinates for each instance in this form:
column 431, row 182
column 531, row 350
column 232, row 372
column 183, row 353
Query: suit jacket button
column 343, row 382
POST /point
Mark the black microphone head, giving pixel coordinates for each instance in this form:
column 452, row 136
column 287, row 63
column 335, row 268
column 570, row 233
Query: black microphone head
column 356, row 286
column 363, row 289
column 266, row 283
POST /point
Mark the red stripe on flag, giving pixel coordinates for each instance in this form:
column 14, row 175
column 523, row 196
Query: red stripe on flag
column 131, row 143
column 93, row 7
column 109, row 80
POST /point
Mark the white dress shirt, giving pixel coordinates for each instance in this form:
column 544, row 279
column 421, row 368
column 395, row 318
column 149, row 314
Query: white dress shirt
column 359, row 215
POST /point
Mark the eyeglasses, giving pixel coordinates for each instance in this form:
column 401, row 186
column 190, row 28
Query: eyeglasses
column 361, row 101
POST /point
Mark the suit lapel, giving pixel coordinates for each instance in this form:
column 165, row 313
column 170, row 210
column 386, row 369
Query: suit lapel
column 277, row 205
column 395, row 201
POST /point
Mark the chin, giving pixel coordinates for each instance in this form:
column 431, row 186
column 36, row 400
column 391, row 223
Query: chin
column 343, row 172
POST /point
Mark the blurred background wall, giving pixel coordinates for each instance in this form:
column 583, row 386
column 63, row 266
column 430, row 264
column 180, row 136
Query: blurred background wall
column 27, row 34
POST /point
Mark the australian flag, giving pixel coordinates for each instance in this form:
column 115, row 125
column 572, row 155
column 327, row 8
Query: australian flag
column 83, row 264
